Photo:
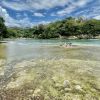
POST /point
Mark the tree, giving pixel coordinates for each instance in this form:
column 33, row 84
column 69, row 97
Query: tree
column 3, row 29
column 70, row 26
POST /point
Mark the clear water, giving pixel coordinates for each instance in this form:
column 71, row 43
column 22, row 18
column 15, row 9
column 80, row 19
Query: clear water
column 29, row 48
column 80, row 64
column 38, row 42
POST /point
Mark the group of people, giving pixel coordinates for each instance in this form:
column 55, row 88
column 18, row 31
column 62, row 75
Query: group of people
column 67, row 45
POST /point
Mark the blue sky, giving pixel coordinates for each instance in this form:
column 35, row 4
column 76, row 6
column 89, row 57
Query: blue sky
column 27, row 13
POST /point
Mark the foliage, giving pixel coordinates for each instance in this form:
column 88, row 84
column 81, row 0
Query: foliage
column 78, row 27
column 3, row 30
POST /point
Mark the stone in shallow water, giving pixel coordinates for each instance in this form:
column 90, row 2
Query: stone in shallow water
column 37, row 95
column 37, row 91
column 78, row 88
column 66, row 83
column 67, row 89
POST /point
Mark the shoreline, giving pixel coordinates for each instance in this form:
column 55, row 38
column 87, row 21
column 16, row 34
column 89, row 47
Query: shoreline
column 51, row 38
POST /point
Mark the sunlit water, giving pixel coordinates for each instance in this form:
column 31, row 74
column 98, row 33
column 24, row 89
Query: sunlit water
column 29, row 48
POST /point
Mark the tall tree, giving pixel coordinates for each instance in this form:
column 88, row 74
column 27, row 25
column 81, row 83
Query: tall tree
column 3, row 29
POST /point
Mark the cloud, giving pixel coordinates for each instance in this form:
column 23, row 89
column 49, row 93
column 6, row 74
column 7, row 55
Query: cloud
column 66, row 11
column 42, row 22
column 91, row 11
column 33, row 4
column 73, row 6
column 97, row 17
column 25, row 22
column 11, row 22
column 33, row 12
column 38, row 14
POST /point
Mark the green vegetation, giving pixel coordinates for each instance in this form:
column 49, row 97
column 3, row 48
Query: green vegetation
column 3, row 29
column 79, row 27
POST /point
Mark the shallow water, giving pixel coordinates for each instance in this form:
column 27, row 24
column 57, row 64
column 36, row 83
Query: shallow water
column 39, row 67
column 28, row 48
column 2, row 51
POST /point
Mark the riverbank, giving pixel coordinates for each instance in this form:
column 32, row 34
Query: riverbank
column 73, row 37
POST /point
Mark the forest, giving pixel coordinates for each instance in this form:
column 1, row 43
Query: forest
column 78, row 27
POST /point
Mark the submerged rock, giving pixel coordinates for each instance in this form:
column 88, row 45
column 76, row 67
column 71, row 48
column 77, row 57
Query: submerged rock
column 66, row 83
column 37, row 91
column 67, row 89
column 78, row 88
column 37, row 95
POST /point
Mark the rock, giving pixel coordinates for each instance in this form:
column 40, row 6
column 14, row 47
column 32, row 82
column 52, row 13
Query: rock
column 78, row 88
column 67, row 89
column 37, row 91
column 37, row 95
column 66, row 83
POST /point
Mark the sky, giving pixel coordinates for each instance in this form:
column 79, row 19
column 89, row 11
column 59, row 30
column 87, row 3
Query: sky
column 27, row 13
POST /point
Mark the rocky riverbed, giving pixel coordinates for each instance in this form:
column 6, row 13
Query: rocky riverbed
column 51, row 79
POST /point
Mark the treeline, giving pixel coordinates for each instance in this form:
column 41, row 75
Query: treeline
column 78, row 27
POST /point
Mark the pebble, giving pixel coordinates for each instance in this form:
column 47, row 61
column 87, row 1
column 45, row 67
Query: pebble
column 58, row 85
column 37, row 95
column 67, row 89
column 66, row 83
column 78, row 87
column 37, row 91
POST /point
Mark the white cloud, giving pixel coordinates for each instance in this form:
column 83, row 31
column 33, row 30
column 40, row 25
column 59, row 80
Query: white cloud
column 97, row 17
column 33, row 4
column 66, row 11
column 72, row 7
column 9, row 21
column 42, row 22
column 38, row 14
column 92, row 12
column 25, row 22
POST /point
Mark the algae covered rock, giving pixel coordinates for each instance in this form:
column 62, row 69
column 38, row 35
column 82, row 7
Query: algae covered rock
column 67, row 89
column 78, row 88
column 37, row 95
column 66, row 83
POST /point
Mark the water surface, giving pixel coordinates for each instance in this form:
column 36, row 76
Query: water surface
column 30, row 48
column 43, row 66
